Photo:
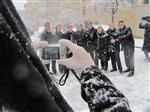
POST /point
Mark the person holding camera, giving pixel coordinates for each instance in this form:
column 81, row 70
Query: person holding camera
column 114, row 48
column 127, row 41
column 96, row 89
column 146, row 45
column 102, row 52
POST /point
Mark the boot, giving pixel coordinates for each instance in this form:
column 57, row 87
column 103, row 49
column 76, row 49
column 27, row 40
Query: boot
column 130, row 74
column 127, row 70
column 113, row 70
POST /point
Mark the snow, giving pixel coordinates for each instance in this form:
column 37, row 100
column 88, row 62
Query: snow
column 136, row 88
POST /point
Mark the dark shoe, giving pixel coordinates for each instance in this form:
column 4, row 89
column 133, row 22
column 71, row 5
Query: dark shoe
column 51, row 73
column 131, row 74
column 127, row 70
column 113, row 70
column 121, row 72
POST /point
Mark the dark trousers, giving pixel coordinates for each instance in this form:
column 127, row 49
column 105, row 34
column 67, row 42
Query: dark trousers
column 53, row 66
column 91, row 51
column 129, row 57
column 104, row 65
column 146, row 53
column 115, row 59
column 96, row 58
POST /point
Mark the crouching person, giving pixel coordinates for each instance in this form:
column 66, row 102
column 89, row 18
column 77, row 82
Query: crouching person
column 96, row 89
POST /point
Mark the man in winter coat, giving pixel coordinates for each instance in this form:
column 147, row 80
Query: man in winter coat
column 114, row 48
column 90, row 38
column 146, row 44
column 47, row 36
column 127, row 42
column 102, row 48
column 58, row 34
column 80, row 32
column 70, row 34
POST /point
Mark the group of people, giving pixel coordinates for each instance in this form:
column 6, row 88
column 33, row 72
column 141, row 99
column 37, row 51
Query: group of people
column 102, row 45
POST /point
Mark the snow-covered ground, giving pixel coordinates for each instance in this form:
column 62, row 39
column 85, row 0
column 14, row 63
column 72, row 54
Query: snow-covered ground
column 136, row 88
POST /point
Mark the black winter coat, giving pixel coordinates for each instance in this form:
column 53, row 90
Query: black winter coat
column 103, row 46
column 100, row 94
column 90, row 38
column 146, row 44
column 113, row 35
column 71, row 36
column 80, row 35
column 125, row 36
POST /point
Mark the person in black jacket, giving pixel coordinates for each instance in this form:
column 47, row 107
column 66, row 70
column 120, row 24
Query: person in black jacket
column 146, row 44
column 96, row 89
column 80, row 32
column 114, row 47
column 90, row 38
column 102, row 48
column 70, row 34
column 127, row 42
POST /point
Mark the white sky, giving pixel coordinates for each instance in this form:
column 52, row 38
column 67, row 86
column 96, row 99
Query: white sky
column 19, row 4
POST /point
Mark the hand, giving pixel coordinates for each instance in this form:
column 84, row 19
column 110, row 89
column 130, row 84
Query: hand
column 80, row 59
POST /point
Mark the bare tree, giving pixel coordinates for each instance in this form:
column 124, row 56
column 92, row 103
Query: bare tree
column 114, row 9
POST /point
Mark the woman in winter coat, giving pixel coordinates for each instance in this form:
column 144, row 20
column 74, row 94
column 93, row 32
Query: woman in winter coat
column 102, row 47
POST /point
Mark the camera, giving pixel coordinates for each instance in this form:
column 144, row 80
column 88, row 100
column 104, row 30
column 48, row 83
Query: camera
column 54, row 52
